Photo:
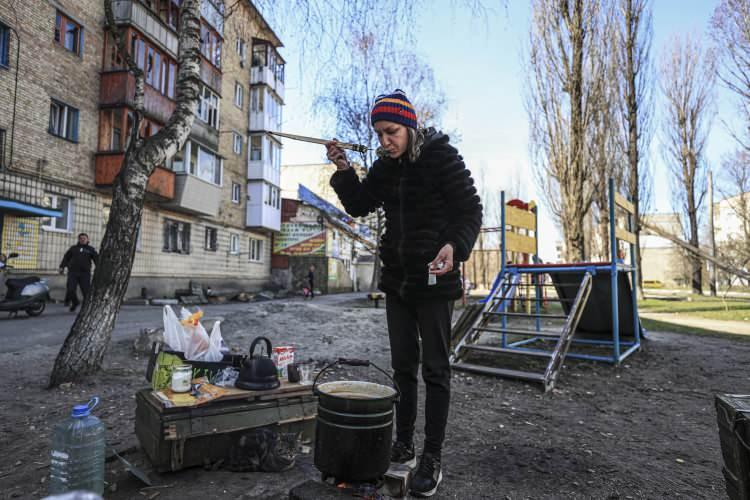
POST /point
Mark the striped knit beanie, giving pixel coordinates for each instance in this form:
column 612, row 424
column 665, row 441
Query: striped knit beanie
column 394, row 107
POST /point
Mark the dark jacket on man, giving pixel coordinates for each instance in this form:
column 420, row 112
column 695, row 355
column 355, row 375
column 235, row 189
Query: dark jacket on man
column 427, row 204
column 78, row 258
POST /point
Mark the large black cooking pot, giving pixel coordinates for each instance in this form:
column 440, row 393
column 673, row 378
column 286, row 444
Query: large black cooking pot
column 354, row 425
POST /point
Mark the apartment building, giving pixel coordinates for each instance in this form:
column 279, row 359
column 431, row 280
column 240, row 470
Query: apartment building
column 66, row 104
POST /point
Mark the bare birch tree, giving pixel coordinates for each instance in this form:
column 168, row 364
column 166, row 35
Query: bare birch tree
column 84, row 347
column 687, row 82
column 563, row 68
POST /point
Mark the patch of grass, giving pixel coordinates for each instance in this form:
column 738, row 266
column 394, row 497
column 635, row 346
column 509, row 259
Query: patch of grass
column 663, row 326
column 703, row 307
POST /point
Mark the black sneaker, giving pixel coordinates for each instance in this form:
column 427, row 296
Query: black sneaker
column 402, row 453
column 425, row 481
column 73, row 307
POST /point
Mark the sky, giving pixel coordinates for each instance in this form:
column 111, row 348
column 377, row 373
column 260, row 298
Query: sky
column 479, row 67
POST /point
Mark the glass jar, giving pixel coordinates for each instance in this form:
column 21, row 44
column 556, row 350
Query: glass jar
column 181, row 377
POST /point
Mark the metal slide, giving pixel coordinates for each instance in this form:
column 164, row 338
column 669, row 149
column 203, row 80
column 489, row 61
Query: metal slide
column 497, row 306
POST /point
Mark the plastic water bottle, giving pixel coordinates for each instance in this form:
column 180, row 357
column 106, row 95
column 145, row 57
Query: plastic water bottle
column 77, row 455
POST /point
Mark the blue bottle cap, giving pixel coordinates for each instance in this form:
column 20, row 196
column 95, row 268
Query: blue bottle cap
column 80, row 411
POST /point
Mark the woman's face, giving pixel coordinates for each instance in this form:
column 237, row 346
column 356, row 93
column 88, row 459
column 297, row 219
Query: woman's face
column 394, row 137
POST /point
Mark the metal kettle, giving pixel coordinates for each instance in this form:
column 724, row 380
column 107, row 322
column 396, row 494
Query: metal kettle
column 258, row 373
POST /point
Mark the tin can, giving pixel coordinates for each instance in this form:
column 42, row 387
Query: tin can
column 283, row 356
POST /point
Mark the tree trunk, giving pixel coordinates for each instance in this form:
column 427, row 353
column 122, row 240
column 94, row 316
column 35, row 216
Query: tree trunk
column 86, row 343
column 577, row 211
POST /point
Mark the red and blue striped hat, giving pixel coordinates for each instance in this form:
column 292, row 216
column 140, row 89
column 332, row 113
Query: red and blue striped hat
column 394, row 107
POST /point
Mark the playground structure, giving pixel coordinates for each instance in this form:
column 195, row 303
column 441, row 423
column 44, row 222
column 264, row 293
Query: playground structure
column 596, row 316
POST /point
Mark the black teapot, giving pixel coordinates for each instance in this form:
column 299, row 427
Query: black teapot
column 258, row 373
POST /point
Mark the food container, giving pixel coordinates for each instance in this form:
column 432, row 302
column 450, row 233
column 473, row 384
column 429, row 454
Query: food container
column 181, row 378
column 282, row 357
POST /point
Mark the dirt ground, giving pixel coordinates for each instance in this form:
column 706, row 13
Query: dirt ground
column 646, row 429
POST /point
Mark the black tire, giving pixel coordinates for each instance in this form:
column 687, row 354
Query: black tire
column 36, row 309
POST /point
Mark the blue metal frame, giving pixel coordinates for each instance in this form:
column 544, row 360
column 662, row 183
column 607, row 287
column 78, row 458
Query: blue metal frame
column 620, row 349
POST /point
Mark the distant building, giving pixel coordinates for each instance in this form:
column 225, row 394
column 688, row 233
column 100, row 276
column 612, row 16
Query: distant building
column 662, row 262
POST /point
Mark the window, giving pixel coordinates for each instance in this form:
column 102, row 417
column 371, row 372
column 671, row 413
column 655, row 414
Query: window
column 211, row 243
column 159, row 69
column 210, row 44
column 256, row 148
column 256, row 250
column 2, row 147
column 256, row 99
column 4, row 45
column 234, row 243
column 63, row 204
column 68, row 34
column 63, row 121
column 259, row 55
column 236, row 192
column 209, row 166
column 272, row 196
column 171, row 81
column 239, row 94
column 150, row 64
column 241, row 49
column 236, row 143
column 176, row 237
column 208, row 107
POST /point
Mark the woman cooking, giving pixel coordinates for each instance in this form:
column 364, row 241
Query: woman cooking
column 432, row 218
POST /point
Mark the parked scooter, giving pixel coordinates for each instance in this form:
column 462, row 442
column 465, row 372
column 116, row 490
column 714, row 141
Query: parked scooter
column 23, row 294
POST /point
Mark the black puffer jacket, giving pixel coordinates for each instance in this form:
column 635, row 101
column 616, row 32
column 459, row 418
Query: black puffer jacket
column 427, row 204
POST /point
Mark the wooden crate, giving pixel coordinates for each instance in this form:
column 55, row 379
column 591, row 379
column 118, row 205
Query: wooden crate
column 177, row 438
column 733, row 416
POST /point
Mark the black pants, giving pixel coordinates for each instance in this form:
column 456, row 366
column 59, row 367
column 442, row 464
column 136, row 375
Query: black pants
column 407, row 322
column 74, row 281
column 312, row 292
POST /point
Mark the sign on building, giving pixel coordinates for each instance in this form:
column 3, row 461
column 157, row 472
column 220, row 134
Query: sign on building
column 299, row 238
column 21, row 235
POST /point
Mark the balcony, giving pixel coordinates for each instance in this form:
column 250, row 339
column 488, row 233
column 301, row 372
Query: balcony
column 264, row 75
column 136, row 14
column 205, row 134
column 259, row 213
column 108, row 165
column 211, row 75
column 118, row 89
column 263, row 217
column 195, row 196
column 263, row 171
column 263, row 120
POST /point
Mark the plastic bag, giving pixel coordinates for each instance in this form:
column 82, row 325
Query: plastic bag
column 226, row 377
column 173, row 331
column 187, row 335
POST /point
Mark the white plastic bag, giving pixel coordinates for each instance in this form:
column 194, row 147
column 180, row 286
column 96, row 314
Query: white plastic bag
column 214, row 344
column 190, row 338
column 174, row 334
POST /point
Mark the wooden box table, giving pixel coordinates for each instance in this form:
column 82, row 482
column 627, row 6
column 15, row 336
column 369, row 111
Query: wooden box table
column 179, row 437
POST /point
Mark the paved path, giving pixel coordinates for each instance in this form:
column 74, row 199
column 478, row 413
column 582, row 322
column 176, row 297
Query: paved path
column 736, row 327
column 23, row 332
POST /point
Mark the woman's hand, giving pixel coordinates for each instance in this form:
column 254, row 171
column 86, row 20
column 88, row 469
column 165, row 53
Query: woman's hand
column 444, row 257
column 337, row 155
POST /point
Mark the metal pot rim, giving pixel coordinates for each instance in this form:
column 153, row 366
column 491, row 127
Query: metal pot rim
column 369, row 390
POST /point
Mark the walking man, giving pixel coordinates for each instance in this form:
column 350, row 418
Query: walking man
column 78, row 260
